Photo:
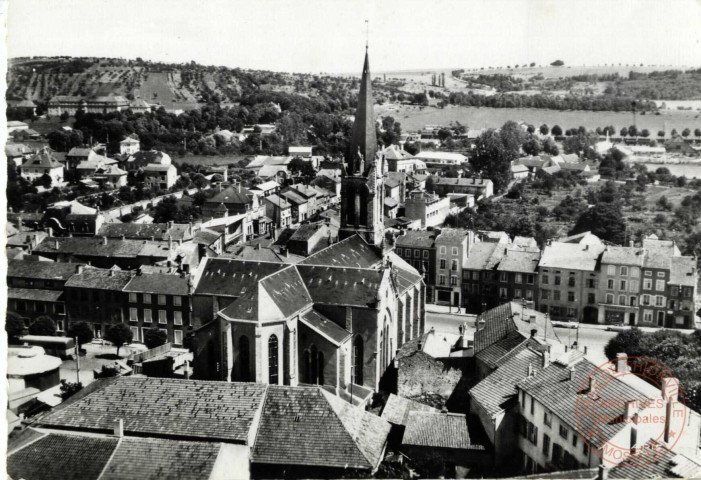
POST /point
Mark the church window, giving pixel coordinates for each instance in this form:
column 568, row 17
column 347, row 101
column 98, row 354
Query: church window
column 244, row 359
column 357, row 373
column 272, row 360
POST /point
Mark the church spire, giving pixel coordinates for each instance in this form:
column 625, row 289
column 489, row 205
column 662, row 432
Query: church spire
column 364, row 140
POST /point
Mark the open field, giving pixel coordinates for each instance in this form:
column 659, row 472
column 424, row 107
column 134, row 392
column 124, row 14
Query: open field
column 573, row 70
column 413, row 117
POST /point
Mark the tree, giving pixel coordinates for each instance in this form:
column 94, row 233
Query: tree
column 627, row 342
column 532, row 146
column 556, row 130
column 530, row 129
column 69, row 389
column 119, row 334
column 494, row 151
column 14, row 326
column 544, row 129
column 82, row 331
column 605, row 220
column 43, row 325
column 686, row 132
column 697, row 132
column 633, row 131
column 557, row 63
column 660, row 133
column 550, row 147
column 155, row 337
column 297, row 166
column 645, row 133
column 624, row 132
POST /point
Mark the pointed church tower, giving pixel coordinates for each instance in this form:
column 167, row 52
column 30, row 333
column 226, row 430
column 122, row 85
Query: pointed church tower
column 362, row 185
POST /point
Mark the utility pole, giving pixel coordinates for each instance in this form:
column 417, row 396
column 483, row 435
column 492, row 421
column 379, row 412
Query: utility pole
column 77, row 358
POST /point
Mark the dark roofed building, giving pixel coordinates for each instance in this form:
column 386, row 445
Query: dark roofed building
column 147, row 231
column 351, row 252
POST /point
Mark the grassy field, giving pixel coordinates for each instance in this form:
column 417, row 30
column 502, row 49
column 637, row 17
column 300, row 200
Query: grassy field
column 572, row 70
column 413, row 117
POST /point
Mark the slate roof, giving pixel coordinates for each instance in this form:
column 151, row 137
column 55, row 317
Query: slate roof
column 278, row 201
column 228, row 277
column 491, row 354
column 95, row 247
column 437, row 430
column 552, row 387
column 309, row 426
column 350, row 252
column 405, row 275
column 570, row 256
column 34, row 294
column 294, row 197
column 166, row 407
column 41, row 270
column 159, row 283
column 397, row 409
column 391, row 202
column 59, row 457
column 100, row 279
column 484, row 256
column 265, row 186
column 307, row 231
column 286, row 289
column 232, row 195
column 325, row 327
column 417, row 239
column 341, row 286
column 17, row 150
column 497, row 391
column 146, row 231
column 505, row 318
column 683, row 271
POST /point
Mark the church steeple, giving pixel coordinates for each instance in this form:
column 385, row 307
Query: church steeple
column 363, row 143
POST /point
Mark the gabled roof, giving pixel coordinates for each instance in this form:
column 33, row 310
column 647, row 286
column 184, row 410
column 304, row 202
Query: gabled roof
column 99, row 278
column 683, row 272
column 309, row 426
column 286, row 289
column 156, row 167
column 294, row 197
column 42, row 270
column 571, row 256
column 655, row 460
column 623, row 256
column 232, row 195
column 437, row 430
column 506, row 318
column 397, row 409
column 349, row 252
column 484, row 256
column 265, row 186
column 497, row 391
column 231, row 277
column 417, row 239
column 159, row 283
column 165, row 407
column 345, row 286
column 95, row 246
column 146, row 231
column 42, row 159
column 517, row 260
column 17, row 150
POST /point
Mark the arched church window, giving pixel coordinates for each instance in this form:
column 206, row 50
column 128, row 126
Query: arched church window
column 320, row 363
column 244, row 359
column 272, row 360
column 357, row 376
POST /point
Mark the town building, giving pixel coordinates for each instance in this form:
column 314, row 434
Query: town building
column 266, row 189
column 15, row 126
column 279, row 210
column 427, row 207
column 418, row 248
column 301, row 152
column 479, row 187
column 399, row 160
column 101, row 104
column 452, row 250
column 129, row 146
column 161, row 176
column 143, row 158
column 40, row 164
column 619, row 285
column 434, row 159
column 17, row 153
column 681, row 292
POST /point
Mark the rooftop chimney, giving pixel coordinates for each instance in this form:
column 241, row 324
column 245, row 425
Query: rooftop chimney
column 546, row 358
column 534, row 332
column 603, row 472
column 480, row 324
column 593, row 387
column 631, row 244
column 530, row 369
column 79, row 269
column 630, row 410
column 572, row 372
column 119, row 428
column 621, row 363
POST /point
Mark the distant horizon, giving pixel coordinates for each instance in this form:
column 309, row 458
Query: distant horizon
column 314, row 36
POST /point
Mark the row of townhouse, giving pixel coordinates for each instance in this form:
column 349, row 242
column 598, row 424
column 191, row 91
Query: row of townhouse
column 73, row 292
column 578, row 278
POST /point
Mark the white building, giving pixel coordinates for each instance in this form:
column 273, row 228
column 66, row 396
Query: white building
column 441, row 159
column 129, row 146
column 162, row 176
column 427, row 207
column 303, row 152
column 43, row 162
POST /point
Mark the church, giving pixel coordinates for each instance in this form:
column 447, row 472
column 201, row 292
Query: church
column 335, row 319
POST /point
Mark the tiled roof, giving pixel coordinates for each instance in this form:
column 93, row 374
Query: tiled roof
column 309, row 426
column 506, row 318
column 570, row 256
column 552, row 387
column 193, row 409
column 517, row 260
column 325, row 327
column 159, row 283
column 350, row 252
column 156, row 459
column 497, row 390
column 655, row 460
column 493, row 353
column 228, row 277
column 397, row 409
column 417, row 238
column 42, row 159
column 146, row 231
column 307, row 231
column 294, row 197
column 683, row 272
column 438, row 430
column 42, row 270
column 101, row 279
column 157, row 167
column 623, row 256
column 34, row 294
column 59, row 457
column 232, row 195
column 95, row 246
column 484, row 256
column 286, row 289
column 463, row 182
column 345, row 286
column 206, row 237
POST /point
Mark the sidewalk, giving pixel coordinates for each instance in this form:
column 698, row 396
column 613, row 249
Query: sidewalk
column 444, row 309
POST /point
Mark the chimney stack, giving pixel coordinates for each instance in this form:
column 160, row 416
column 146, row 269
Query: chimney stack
column 79, row 269
column 119, row 428
column 534, row 332
column 104, row 240
column 630, row 410
column 603, row 472
column 593, row 387
column 546, row 358
column 621, row 363
column 530, row 369
column 480, row 324
column 572, row 372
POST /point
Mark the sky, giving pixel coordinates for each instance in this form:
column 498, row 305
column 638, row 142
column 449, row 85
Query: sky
column 330, row 35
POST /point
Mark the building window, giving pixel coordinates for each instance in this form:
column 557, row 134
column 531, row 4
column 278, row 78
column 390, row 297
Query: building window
column 441, row 279
column 571, row 282
column 147, row 315
column 532, row 434
column 523, row 399
column 585, row 449
column 557, row 280
column 177, row 318
column 659, row 301
column 425, row 253
column 417, row 253
column 609, row 284
column 648, row 273
column 660, row 274
column 442, row 249
column 623, row 285
column 556, row 295
column 502, row 293
column 454, row 265
column 633, row 301
column 660, row 318
column 609, row 298
column 503, row 277
column 548, row 418
column 358, row 360
column 59, row 325
column 564, row 432
column 646, row 299
column 272, row 360
column 647, row 284
column 178, row 337
column 611, row 270
column 517, row 278
column 517, row 293
column 624, row 271
column 621, row 299
column 475, row 275
column 546, row 445
column 659, row 285
column 161, row 299
column 162, row 316
column 545, row 280
column 132, row 298
column 591, row 283
column 570, row 296
column 453, row 280
column 399, row 251
column 532, row 405
column 134, row 333
column 529, row 295
column 647, row 316
column 574, row 439
column 454, row 250
column 591, row 298
column 147, row 298
column 442, row 264
column 133, row 315
column 177, row 300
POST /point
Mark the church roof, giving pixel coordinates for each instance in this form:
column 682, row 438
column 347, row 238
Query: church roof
column 364, row 138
